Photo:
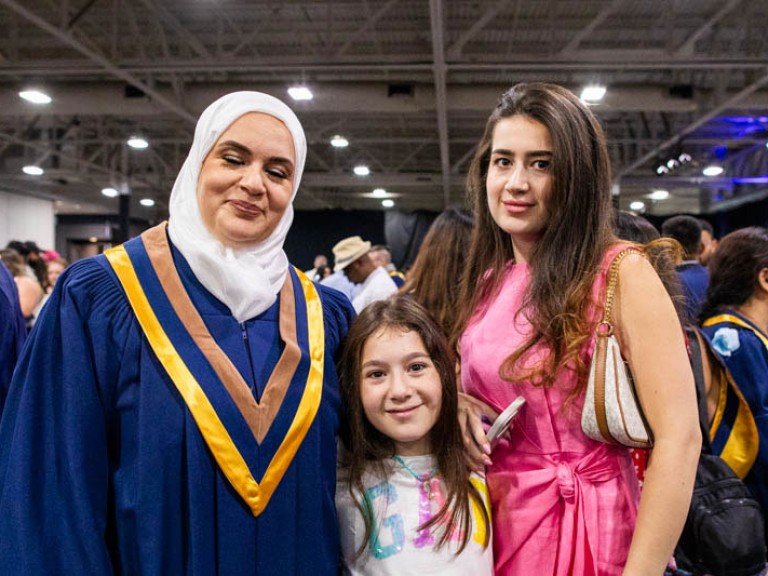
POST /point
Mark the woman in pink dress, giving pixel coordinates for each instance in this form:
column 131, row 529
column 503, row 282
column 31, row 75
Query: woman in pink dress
column 534, row 285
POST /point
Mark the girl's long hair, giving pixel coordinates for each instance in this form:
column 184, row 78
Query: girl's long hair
column 734, row 269
column 367, row 448
column 568, row 254
column 433, row 280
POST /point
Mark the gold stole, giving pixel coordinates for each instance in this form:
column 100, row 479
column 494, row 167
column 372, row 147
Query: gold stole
column 740, row 450
column 255, row 494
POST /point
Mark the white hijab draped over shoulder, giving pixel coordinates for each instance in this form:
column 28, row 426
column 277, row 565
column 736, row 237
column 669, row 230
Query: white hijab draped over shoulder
column 247, row 280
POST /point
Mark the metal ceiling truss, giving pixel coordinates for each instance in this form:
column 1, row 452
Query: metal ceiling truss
column 410, row 83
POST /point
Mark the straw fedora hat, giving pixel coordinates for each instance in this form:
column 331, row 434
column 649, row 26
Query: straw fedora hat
column 348, row 250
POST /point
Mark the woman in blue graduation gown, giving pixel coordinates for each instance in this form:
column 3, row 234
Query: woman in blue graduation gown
column 175, row 411
column 13, row 332
column 735, row 320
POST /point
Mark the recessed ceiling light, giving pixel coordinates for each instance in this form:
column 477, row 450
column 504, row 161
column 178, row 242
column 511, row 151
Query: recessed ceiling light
column 658, row 195
column 636, row 205
column 35, row 96
column 379, row 192
column 713, row 170
column 361, row 170
column 110, row 192
column 93, row 239
column 593, row 93
column 339, row 142
column 300, row 93
column 33, row 170
column 137, row 142
column 388, row 203
column 148, row 202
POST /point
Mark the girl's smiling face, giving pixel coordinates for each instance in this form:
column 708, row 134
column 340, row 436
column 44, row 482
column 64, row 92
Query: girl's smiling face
column 400, row 389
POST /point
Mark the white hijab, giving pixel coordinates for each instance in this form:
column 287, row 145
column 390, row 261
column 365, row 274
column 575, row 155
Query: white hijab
column 247, row 280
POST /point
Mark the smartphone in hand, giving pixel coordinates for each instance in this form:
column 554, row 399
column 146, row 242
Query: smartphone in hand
column 504, row 421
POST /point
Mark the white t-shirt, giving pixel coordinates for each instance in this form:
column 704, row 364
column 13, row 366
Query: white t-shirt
column 377, row 286
column 396, row 546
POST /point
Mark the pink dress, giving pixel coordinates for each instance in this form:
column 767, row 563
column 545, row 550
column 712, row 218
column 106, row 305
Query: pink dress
column 562, row 504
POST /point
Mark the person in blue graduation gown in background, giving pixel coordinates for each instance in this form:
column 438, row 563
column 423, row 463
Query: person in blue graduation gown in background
column 176, row 409
column 13, row 331
column 735, row 320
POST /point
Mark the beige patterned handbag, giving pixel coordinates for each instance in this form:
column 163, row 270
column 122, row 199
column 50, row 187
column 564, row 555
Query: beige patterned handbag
column 612, row 411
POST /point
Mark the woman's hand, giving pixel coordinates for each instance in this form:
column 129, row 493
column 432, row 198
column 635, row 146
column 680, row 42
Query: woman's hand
column 476, row 445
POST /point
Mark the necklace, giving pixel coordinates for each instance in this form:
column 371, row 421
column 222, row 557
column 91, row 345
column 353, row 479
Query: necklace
column 423, row 479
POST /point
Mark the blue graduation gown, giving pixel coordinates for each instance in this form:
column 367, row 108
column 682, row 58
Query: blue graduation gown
column 746, row 357
column 13, row 331
column 103, row 469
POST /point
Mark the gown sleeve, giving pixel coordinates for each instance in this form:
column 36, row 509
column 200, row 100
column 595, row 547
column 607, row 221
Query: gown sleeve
column 54, row 434
column 747, row 360
column 338, row 314
column 13, row 331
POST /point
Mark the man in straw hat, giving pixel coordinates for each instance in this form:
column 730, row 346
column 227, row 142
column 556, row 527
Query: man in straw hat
column 352, row 256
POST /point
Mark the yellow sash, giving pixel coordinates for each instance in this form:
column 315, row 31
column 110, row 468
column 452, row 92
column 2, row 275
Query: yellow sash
column 740, row 450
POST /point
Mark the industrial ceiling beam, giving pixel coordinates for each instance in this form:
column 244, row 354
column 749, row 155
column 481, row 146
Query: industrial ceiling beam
column 366, row 64
column 367, row 26
column 574, row 42
column 700, row 121
column 686, row 48
column 441, row 97
column 67, row 38
column 185, row 34
column 455, row 50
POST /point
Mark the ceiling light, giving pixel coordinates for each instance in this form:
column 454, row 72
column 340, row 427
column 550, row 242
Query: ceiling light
column 148, row 202
column 93, row 239
column 388, row 203
column 712, row 170
column 637, row 205
column 379, row 193
column 662, row 169
column 684, row 158
column 300, row 93
column 672, row 163
column 658, row 195
column 361, row 170
column 137, row 142
column 35, row 96
column 110, row 192
column 339, row 142
column 593, row 93
column 33, row 170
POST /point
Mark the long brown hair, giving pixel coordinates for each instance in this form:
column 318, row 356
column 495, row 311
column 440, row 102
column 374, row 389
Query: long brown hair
column 567, row 256
column 734, row 269
column 433, row 280
column 367, row 448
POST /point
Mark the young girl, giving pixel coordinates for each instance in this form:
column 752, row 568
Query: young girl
column 406, row 502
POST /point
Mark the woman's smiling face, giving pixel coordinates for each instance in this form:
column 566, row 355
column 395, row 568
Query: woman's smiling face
column 246, row 180
column 519, row 180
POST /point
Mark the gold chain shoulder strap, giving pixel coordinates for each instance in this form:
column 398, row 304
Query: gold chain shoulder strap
column 613, row 278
